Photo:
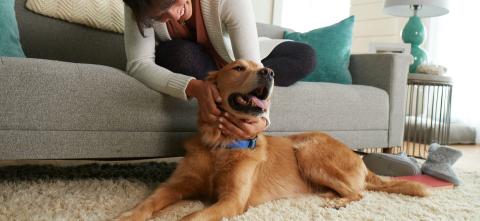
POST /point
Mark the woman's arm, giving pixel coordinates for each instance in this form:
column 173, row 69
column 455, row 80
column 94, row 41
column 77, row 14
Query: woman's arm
column 239, row 20
column 141, row 65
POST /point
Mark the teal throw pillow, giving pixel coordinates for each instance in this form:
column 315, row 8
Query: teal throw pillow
column 9, row 38
column 332, row 45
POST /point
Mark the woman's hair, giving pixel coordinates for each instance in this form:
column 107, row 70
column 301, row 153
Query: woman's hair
column 142, row 8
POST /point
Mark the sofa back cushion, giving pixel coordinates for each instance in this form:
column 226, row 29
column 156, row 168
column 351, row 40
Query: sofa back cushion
column 48, row 38
column 9, row 38
column 105, row 15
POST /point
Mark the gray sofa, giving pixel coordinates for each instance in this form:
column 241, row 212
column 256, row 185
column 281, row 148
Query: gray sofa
column 71, row 99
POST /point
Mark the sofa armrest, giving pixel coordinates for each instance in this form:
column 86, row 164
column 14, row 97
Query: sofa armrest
column 271, row 31
column 388, row 72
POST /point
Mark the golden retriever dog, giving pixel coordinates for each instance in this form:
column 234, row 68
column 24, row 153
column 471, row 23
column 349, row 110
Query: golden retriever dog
column 276, row 167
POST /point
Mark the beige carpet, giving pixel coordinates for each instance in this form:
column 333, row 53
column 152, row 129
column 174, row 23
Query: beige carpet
column 101, row 200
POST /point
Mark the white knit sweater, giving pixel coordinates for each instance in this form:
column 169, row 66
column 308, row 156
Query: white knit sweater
column 231, row 29
column 230, row 26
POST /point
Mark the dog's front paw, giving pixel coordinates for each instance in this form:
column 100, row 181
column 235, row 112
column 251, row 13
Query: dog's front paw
column 195, row 216
column 128, row 216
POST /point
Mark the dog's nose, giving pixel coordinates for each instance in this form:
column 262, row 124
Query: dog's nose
column 266, row 73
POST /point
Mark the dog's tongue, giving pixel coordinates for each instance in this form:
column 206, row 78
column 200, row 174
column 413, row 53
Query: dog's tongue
column 260, row 103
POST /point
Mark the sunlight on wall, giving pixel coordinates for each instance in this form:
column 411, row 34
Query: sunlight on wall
column 305, row 15
column 454, row 43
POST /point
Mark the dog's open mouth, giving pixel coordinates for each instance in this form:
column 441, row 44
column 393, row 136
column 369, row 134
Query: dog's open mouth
column 252, row 103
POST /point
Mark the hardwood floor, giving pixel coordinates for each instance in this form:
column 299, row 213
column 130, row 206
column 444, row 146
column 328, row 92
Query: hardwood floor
column 470, row 160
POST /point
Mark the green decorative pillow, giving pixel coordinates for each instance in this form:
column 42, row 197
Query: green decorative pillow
column 332, row 45
column 9, row 38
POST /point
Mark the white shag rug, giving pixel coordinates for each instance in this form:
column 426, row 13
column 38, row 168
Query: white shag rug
column 93, row 200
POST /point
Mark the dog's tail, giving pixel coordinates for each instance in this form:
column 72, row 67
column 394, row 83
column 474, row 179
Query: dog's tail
column 375, row 183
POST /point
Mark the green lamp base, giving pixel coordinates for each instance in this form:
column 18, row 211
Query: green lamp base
column 419, row 57
column 414, row 34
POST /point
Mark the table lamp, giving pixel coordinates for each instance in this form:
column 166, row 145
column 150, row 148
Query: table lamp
column 414, row 32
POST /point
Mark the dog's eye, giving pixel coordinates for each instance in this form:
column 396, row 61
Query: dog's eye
column 239, row 68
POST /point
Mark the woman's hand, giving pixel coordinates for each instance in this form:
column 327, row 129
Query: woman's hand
column 206, row 94
column 233, row 127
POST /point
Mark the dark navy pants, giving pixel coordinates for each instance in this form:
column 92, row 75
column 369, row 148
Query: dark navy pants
column 291, row 61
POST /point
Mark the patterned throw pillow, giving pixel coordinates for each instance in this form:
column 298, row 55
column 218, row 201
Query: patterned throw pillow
column 102, row 14
column 9, row 38
column 332, row 45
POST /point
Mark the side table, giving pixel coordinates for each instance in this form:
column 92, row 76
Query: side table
column 427, row 114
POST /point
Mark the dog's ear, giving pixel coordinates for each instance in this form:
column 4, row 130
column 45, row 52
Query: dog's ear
column 212, row 76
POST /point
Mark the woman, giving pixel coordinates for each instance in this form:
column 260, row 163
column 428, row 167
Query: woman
column 197, row 36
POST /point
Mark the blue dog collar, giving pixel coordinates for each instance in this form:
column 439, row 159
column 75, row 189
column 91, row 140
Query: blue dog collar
column 243, row 144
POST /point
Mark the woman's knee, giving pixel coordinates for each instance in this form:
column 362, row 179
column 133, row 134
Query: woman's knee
column 302, row 53
column 310, row 57
column 183, row 56
column 291, row 61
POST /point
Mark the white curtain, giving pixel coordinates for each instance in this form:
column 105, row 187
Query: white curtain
column 305, row 15
column 454, row 42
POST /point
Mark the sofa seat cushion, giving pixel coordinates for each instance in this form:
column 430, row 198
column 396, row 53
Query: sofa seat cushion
column 307, row 106
column 45, row 95
column 37, row 94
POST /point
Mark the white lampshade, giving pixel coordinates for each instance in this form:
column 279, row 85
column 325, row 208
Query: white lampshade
column 428, row 8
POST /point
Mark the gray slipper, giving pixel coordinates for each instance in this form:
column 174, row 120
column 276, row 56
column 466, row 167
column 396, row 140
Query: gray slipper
column 439, row 163
column 404, row 155
column 442, row 171
column 392, row 165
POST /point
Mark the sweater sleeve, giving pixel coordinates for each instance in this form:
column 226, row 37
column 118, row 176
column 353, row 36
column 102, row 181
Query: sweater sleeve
column 141, row 65
column 239, row 21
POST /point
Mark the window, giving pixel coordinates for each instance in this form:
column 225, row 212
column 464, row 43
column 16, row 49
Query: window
column 453, row 42
column 305, row 15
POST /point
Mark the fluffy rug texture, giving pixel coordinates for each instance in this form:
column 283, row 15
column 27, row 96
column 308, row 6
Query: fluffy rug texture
column 100, row 192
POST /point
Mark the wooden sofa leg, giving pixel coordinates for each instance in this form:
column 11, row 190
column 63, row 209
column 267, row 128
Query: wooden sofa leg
column 388, row 150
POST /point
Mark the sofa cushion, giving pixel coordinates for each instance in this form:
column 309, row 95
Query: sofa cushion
column 332, row 45
column 102, row 14
column 49, row 38
column 307, row 106
column 38, row 94
column 9, row 38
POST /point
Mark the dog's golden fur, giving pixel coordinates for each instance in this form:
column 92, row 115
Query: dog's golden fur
column 278, row 167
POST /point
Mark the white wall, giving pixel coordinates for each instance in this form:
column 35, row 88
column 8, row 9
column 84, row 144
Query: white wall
column 372, row 25
column 306, row 15
column 263, row 10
